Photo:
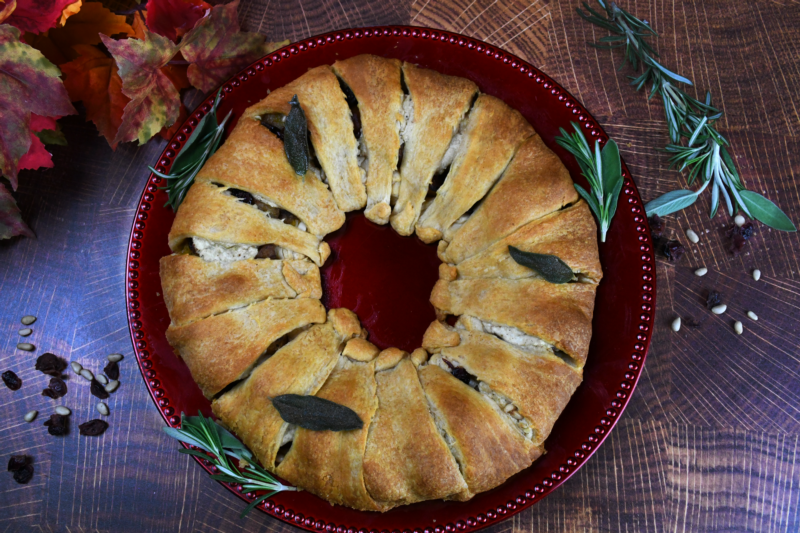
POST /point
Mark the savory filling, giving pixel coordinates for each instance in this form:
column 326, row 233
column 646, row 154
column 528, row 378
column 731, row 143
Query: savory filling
column 407, row 126
column 454, row 146
column 267, row 206
column 274, row 122
column 222, row 251
column 352, row 103
column 362, row 158
column 510, row 334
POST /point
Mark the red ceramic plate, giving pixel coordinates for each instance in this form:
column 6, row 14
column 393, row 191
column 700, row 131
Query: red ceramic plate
column 386, row 279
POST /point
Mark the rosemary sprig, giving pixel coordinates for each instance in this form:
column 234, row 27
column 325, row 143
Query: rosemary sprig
column 203, row 142
column 705, row 154
column 218, row 444
column 603, row 171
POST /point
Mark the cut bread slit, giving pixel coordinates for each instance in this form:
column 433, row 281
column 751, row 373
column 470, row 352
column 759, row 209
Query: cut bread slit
column 352, row 103
column 514, row 336
column 267, row 206
column 274, row 122
column 286, row 443
column 438, row 420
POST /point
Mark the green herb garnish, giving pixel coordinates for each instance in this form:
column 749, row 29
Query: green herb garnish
column 550, row 267
column 705, row 154
column 316, row 414
column 295, row 137
column 217, row 444
column 603, row 171
column 203, row 142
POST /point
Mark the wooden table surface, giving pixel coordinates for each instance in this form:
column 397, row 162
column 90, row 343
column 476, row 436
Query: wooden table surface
column 709, row 441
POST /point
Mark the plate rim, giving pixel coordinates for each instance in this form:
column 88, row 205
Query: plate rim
column 629, row 380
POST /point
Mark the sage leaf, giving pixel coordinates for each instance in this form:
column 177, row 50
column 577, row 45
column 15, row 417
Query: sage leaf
column 550, row 267
column 316, row 414
column 274, row 122
column 612, row 171
column 671, row 202
column 295, row 137
column 766, row 211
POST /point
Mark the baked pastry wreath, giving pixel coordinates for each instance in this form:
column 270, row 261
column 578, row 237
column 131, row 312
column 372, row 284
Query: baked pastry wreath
column 427, row 153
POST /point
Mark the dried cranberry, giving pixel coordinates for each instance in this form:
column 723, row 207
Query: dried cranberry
column 24, row 475
column 93, row 428
column 461, row 374
column 56, row 389
column 51, row 364
column 12, row 380
column 98, row 390
column 656, row 226
column 713, row 299
column 112, row 370
column 22, row 468
column 673, row 250
column 739, row 235
column 58, row 425
column 691, row 322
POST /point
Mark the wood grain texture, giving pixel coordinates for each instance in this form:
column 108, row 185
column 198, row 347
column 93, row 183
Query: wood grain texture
column 709, row 441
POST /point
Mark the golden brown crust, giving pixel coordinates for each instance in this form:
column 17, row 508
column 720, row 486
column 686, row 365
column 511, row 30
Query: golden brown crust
column 406, row 458
column 388, row 358
column 254, row 160
column 360, row 350
column 223, row 348
column 331, row 131
column 209, row 213
column 488, row 449
column 194, row 288
column 560, row 315
column 539, row 385
column 438, row 335
column 440, row 102
column 535, row 183
column 300, row 367
column 493, row 133
column 419, row 356
column 570, row 234
column 345, row 322
column 375, row 82
column 330, row 463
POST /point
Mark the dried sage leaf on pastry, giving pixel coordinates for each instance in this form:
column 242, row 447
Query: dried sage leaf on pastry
column 274, row 122
column 295, row 138
column 316, row 414
column 550, row 267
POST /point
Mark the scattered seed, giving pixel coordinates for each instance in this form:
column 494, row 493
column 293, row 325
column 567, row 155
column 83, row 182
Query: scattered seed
column 30, row 416
column 702, row 271
column 739, row 220
column 63, row 411
column 719, row 309
column 738, row 327
column 11, row 379
column 112, row 385
column 28, row 347
column 102, row 379
column 115, row 357
column 25, row 332
column 676, row 324
column 756, row 274
column 752, row 315
column 102, row 409
column 87, row 374
column 76, row 367
column 692, row 236
column 28, row 320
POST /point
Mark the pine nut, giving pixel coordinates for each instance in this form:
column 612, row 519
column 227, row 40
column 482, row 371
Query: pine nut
column 719, row 309
column 509, row 407
column 115, row 357
column 102, row 409
column 692, row 236
column 102, row 379
column 676, row 324
column 700, row 272
column 30, row 416
column 112, row 385
column 738, row 327
column 87, row 374
column 752, row 315
column 739, row 220
column 28, row 320
column 756, row 274
column 64, row 411
column 76, row 367
column 28, row 347
column 24, row 332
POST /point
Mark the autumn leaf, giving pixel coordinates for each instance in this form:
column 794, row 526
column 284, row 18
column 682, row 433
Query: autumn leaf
column 69, row 11
column 94, row 79
column 29, row 83
column 6, row 8
column 154, row 100
column 48, row 48
column 173, row 18
column 138, row 25
column 37, row 155
column 216, row 48
column 85, row 27
column 11, row 223
column 37, row 16
column 167, row 133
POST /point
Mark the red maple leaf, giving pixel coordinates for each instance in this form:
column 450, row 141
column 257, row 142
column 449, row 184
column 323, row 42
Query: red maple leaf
column 155, row 102
column 216, row 48
column 29, row 83
column 11, row 223
column 37, row 155
column 173, row 18
column 37, row 15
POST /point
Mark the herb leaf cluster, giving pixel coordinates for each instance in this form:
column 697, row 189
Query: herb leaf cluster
column 704, row 154
column 202, row 144
column 602, row 169
column 217, row 444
